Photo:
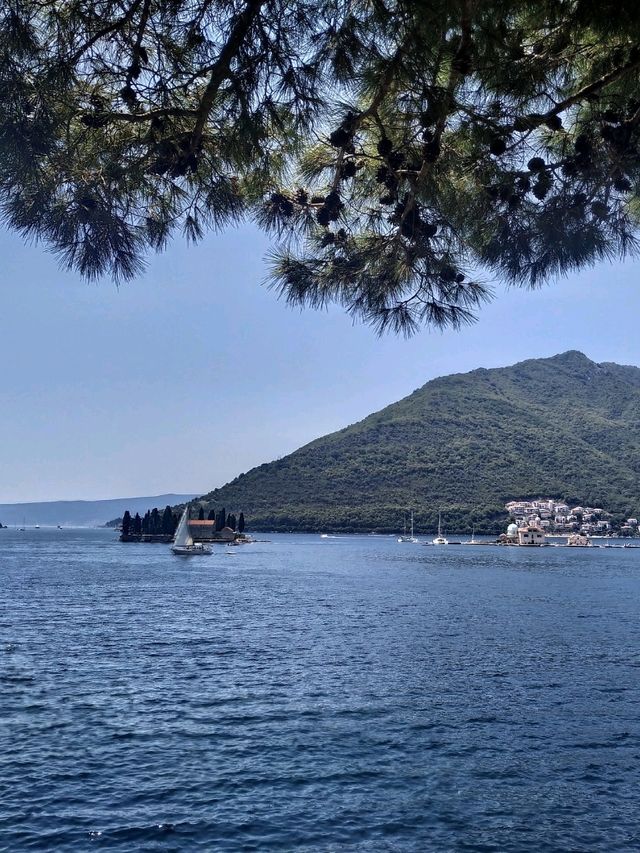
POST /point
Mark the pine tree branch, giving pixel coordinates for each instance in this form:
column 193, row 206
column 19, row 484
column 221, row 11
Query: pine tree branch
column 594, row 87
column 161, row 112
column 221, row 67
column 105, row 31
column 139, row 36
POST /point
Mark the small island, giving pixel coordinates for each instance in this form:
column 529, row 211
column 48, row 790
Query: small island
column 154, row 526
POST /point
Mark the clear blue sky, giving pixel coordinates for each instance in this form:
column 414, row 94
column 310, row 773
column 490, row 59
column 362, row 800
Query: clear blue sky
column 195, row 372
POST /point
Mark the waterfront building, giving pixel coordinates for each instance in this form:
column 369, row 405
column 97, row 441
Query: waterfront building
column 205, row 531
column 530, row 535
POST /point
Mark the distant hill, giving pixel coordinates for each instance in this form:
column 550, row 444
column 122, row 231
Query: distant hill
column 464, row 444
column 81, row 513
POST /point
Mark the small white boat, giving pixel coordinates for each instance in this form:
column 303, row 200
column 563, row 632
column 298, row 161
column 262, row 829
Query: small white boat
column 183, row 543
column 439, row 539
column 191, row 550
column 404, row 537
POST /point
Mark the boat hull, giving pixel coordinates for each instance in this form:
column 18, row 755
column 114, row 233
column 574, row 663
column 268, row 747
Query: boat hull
column 190, row 551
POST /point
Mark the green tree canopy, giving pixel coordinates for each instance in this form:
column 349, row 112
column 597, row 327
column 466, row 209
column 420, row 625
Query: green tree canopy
column 401, row 152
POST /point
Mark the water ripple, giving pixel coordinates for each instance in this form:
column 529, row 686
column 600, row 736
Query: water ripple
column 316, row 695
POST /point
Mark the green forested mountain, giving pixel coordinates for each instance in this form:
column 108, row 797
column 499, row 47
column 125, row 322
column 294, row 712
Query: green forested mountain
column 463, row 444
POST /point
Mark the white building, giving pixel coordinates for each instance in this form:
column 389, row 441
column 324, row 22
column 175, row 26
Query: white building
column 530, row 535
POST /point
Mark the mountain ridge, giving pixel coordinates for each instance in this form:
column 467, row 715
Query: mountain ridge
column 81, row 513
column 463, row 444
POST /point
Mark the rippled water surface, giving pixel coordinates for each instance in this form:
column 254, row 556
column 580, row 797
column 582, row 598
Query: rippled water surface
column 317, row 694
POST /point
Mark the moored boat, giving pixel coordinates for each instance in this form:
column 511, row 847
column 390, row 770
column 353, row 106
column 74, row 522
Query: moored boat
column 411, row 537
column 439, row 539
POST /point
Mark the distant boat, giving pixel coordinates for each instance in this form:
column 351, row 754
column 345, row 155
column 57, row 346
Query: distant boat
column 439, row 539
column 183, row 543
column 404, row 537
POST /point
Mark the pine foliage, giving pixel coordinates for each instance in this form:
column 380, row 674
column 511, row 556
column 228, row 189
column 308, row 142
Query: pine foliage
column 401, row 153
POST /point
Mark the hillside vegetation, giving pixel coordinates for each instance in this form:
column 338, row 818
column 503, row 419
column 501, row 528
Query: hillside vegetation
column 463, row 445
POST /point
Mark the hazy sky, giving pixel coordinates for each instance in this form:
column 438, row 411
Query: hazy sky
column 195, row 372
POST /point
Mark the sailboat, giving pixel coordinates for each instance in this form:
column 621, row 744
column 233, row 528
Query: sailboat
column 473, row 540
column 183, row 543
column 439, row 539
column 404, row 537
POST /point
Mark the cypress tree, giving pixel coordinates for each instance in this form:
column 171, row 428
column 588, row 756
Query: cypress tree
column 167, row 521
column 212, row 515
column 201, row 513
column 146, row 522
column 137, row 523
column 241, row 523
column 155, row 525
column 126, row 523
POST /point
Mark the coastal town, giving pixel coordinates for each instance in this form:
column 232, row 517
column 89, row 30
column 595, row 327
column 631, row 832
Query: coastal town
column 554, row 516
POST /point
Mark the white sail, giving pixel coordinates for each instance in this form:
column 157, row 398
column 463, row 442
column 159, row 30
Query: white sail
column 183, row 537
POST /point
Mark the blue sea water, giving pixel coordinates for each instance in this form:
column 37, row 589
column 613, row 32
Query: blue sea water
column 317, row 694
